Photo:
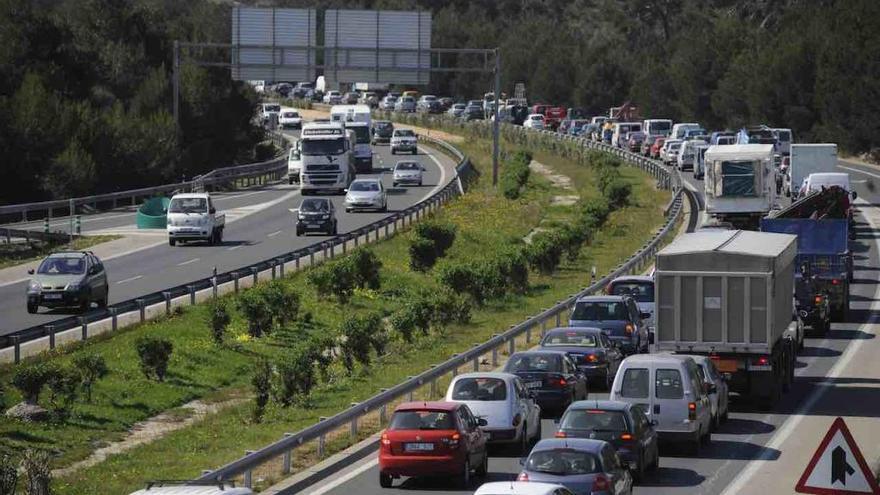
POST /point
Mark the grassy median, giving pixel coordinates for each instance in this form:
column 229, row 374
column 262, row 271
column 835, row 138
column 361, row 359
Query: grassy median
column 19, row 254
column 201, row 370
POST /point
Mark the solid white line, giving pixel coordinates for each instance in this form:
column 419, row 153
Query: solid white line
column 742, row 479
column 188, row 262
column 859, row 171
column 233, row 248
column 130, row 279
column 442, row 182
column 346, row 477
column 273, row 234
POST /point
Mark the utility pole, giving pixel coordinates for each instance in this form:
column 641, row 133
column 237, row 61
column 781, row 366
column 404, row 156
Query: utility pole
column 175, row 82
column 496, row 125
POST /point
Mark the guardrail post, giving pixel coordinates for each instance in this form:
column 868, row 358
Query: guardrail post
column 354, row 424
column 433, row 391
column 85, row 327
column 511, row 346
column 311, row 257
column 235, row 281
column 409, row 396
column 356, row 236
column 321, row 440
column 50, row 331
column 113, row 319
column 280, row 266
column 288, row 458
column 494, row 353
column 344, row 245
column 324, row 250
column 273, row 268
column 142, row 309
column 454, row 369
column 558, row 320
column 248, row 475
column 386, row 231
column 16, row 344
column 167, row 296
column 254, row 272
column 383, row 409
column 192, row 294
column 296, row 262
column 476, row 360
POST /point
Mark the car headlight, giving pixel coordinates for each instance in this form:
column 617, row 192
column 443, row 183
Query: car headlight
column 35, row 286
column 325, row 217
column 72, row 287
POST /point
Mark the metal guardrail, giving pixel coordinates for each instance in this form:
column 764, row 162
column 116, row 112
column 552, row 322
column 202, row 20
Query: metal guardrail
column 379, row 402
column 215, row 177
column 323, row 249
column 28, row 235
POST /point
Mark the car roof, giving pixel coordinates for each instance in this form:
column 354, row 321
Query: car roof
column 367, row 179
column 429, row 405
column 486, row 374
column 177, row 488
column 575, row 329
column 606, row 298
column 655, row 358
column 605, row 405
column 190, row 195
column 540, row 352
column 323, row 200
column 517, row 488
column 585, row 444
column 634, row 278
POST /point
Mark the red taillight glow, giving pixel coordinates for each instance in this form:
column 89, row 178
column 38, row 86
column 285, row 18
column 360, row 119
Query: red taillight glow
column 626, row 437
column 629, row 329
column 692, row 410
column 591, row 358
column 562, row 382
column 522, row 477
column 600, row 483
column 385, row 439
column 834, row 281
column 762, row 361
column 818, row 299
column 560, row 434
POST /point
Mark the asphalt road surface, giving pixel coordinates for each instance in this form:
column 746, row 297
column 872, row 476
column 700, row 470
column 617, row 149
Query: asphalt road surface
column 267, row 230
column 744, row 438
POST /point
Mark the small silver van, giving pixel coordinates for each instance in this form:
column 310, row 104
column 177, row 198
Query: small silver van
column 670, row 391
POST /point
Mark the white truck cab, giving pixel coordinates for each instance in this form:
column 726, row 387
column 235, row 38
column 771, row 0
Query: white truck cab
column 326, row 154
column 193, row 217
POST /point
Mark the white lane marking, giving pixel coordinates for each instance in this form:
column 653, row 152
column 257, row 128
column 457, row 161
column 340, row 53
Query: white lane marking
column 442, row 182
column 859, row 171
column 233, row 248
column 130, row 279
column 188, row 262
column 374, row 461
column 742, row 479
column 273, row 234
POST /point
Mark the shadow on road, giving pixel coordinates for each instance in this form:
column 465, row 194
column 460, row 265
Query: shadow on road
column 725, row 450
column 852, row 397
column 736, row 426
column 672, row 477
column 819, row 352
column 853, row 334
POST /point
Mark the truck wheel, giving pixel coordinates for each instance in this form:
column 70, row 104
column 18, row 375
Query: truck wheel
column 212, row 238
column 32, row 308
column 171, row 242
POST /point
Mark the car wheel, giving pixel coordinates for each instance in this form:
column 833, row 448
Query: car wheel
column 385, row 480
column 348, row 210
column 394, row 184
column 420, row 182
column 694, row 445
column 32, row 308
column 171, row 242
column 715, row 423
column 524, row 441
column 393, row 152
column 85, row 305
column 104, row 300
column 706, row 439
column 609, row 380
column 638, row 474
column 465, row 478
column 299, row 232
column 483, row 470
column 384, row 208
column 334, row 229
column 538, row 432
column 655, row 462
column 415, row 152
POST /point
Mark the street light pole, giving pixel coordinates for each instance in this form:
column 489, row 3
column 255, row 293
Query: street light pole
column 496, row 125
column 175, row 82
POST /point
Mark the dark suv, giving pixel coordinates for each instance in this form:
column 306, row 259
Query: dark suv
column 316, row 215
column 618, row 317
column 68, row 279
column 382, row 131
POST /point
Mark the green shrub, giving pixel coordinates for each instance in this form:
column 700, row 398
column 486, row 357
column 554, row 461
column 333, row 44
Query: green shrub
column 442, row 233
column 414, row 315
column 515, row 174
column 252, row 303
column 464, row 279
column 545, row 252
column 295, row 376
column 281, row 300
column 63, row 383
column 219, row 314
column 607, row 174
column 366, row 266
column 593, row 213
column 422, row 254
column 154, row 354
column 514, row 266
column 572, row 237
column 91, row 367
column 29, row 380
column 448, row 307
column 334, row 278
column 618, row 193
column 261, row 381
column 361, row 334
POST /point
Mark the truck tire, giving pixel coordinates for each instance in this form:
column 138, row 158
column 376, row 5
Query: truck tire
column 32, row 308
column 171, row 242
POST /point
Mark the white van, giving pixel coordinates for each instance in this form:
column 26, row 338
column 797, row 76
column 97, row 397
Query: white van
column 657, row 127
column 670, row 391
column 621, row 129
column 193, row 488
column 680, row 130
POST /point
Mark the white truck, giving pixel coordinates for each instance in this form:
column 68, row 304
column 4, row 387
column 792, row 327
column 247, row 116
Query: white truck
column 193, row 217
column 657, row 127
column 680, row 130
column 358, row 119
column 806, row 159
column 327, row 160
column 294, row 163
column 740, row 186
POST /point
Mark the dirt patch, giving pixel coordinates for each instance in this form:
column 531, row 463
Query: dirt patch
column 150, row 430
column 558, row 180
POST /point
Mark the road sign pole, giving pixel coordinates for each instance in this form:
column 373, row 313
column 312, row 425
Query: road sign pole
column 496, row 125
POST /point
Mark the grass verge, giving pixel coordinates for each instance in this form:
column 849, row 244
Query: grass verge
column 18, row 254
column 199, row 369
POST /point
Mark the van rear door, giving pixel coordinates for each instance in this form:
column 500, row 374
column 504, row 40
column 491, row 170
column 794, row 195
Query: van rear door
column 634, row 386
column 669, row 406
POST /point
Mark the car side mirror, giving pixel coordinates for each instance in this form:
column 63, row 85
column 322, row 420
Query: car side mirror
column 644, row 315
column 482, row 422
column 212, row 210
column 31, row 271
column 854, row 195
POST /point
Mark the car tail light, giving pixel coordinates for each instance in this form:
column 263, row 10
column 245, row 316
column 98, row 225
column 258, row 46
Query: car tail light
column 452, row 442
column 385, row 439
column 761, row 361
column 557, row 382
column 818, row 299
column 600, row 483
column 834, row 281
column 560, row 434
column 591, row 358
column 522, row 477
column 692, row 410
column 626, row 437
column 629, row 329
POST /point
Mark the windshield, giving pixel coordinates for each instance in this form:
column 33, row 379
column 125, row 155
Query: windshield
column 188, row 205
column 641, row 291
column 272, row 108
column 562, row 462
column 594, row 419
column 314, row 206
column 483, row 389
column 635, row 383
column 319, row 147
column 382, row 126
column 364, row 186
column 361, row 134
column 674, row 146
column 408, row 166
column 570, row 338
column 291, row 115
column 599, row 311
column 421, row 420
column 58, row 265
column 404, row 133
column 534, row 362
column 660, row 126
column 293, row 155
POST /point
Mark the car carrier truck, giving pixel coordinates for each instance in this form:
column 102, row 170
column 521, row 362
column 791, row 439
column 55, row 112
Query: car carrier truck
column 728, row 295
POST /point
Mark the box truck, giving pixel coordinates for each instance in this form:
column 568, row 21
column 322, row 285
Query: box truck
column 740, row 186
column 809, row 159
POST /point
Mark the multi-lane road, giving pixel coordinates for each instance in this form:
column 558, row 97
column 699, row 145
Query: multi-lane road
column 756, row 451
column 260, row 225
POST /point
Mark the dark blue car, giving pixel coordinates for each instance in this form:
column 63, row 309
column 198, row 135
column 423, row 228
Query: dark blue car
column 551, row 376
column 596, row 355
column 618, row 317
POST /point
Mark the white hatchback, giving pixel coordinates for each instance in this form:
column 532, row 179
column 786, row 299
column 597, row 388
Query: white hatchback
column 534, row 121
column 521, row 488
column 503, row 401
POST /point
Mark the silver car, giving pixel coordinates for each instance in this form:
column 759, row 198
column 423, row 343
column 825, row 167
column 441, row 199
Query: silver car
column 715, row 386
column 366, row 194
column 456, row 110
column 407, row 172
column 582, row 465
column 387, row 103
column 405, row 104
column 68, row 279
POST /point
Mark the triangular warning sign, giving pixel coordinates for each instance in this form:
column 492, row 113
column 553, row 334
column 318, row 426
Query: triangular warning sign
column 838, row 467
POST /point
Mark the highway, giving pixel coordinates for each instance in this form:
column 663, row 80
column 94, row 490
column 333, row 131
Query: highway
column 259, row 226
column 755, row 451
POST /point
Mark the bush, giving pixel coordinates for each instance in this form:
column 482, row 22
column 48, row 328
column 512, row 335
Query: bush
column 572, row 237
column 219, row 313
column 91, row 367
column 361, row 334
column 448, row 307
column 411, row 317
column 154, row 354
column 593, row 214
column 422, row 254
column 515, row 268
column 464, row 279
column 515, row 174
column 607, row 174
column 334, row 278
column 442, row 233
column 8, row 475
column 618, row 193
column 261, row 381
column 296, row 376
column 281, row 300
column 545, row 252
column 366, row 266
column 64, row 383
column 29, row 380
column 252, row 303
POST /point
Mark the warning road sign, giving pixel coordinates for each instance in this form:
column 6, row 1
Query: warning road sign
column 838, row 467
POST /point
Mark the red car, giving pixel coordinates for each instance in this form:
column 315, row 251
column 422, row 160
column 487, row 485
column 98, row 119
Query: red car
column 553, row 116
column 433, row 439
column 655, row 148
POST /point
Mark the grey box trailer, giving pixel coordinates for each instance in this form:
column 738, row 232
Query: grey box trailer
column 729, row 295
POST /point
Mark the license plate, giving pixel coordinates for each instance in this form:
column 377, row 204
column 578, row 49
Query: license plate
column 312, row 225
column 534, row 384
column 52, row 296
column 419, row 447
column 726, row 365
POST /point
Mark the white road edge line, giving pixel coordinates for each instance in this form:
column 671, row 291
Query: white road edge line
column 233, row 248
column 130, row 279
column 374, row 461
column 188, row 262
column 273, row 234
column 860, row 171
column 442, row 182
column 741, row 480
